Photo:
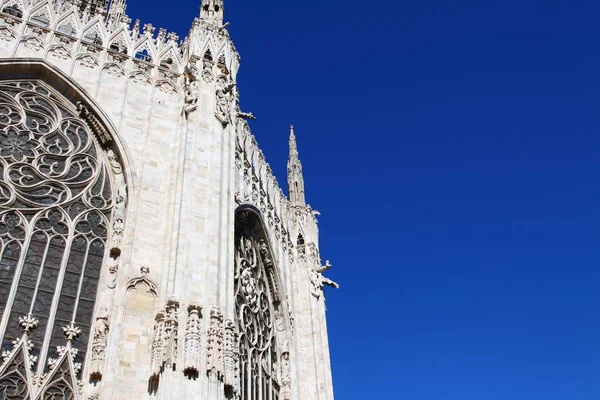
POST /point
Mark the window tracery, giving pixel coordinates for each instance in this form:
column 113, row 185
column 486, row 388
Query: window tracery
column 258, row 312
column 56, row 200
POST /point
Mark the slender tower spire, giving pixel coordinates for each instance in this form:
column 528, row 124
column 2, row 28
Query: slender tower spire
column 295, row 178
column 212, row 11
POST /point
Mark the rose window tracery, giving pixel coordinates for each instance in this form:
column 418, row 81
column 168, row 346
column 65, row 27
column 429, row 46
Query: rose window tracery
column 260, row 374
column 55, row 206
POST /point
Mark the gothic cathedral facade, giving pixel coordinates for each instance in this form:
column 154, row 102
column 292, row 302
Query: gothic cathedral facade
column 146, row 249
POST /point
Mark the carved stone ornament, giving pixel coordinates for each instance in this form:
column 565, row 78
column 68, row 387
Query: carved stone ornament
column 28, row 323
column 166, row 87
column 207, row 71
column 118, row 226
column 100, row 337
column 318, row 281
column 246, row 115
column 143, row 280
column 7, row 34
column 94, row 124
column 34, row 43
column 223, row 99
column 157, row 346
column 165, row 340
column 286, row 381
column 191, row 97
column 71, row 332
column 193, row 340
column 214, row 346
column 140, row 78
column 60, row 52
column 231, row 356
column 171, row 333
column 88, row 61
column 115, row 70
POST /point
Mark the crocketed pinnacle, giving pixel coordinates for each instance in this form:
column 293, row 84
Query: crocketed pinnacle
column 295, row 177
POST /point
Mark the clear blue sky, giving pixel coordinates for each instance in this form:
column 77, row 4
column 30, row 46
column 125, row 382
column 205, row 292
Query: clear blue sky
column 453, row 149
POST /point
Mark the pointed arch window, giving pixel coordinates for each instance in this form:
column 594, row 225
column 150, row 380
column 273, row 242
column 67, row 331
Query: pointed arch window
column 56, row 201
column 260, row 315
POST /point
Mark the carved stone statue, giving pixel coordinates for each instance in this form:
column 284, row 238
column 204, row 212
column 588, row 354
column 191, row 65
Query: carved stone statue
column 101, row 325
column 286, row 381
column 223, row 98
column 207, row 74
column 315, row 283
column 191, row 97
column 113, row 160
column 118, row 221
column 222, row 105
column 171, row 333
column 121, row 199
column 265, row 254
column 249, row 286
column 100, row 336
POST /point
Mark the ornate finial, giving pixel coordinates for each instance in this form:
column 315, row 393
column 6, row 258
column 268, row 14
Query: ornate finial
column 211, row 11
column 162, row 36
column 71, row 332
column 172, row 37
column 28, row 324
column 149, row 29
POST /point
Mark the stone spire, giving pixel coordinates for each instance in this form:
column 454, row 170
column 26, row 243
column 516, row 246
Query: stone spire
column 211, row 11
column 295, row 178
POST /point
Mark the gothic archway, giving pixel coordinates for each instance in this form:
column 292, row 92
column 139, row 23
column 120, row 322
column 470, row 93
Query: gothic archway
column 261, row 313
column 59, row 192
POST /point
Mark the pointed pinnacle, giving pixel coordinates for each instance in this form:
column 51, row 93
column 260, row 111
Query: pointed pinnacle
column 293, row 145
